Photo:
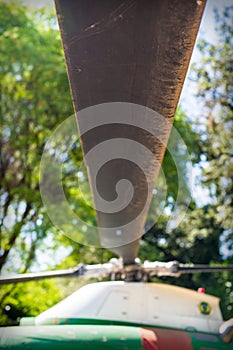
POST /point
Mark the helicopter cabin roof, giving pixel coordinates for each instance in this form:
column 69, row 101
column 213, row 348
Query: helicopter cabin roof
column 138, row 303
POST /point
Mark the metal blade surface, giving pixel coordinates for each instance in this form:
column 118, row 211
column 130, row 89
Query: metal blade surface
column 27, row 277
column 137, row 52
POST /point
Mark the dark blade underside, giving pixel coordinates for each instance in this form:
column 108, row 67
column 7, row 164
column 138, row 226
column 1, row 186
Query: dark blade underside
column 127, row 51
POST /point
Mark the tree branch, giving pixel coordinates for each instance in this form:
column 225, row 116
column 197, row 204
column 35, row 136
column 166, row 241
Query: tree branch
column 14, row 236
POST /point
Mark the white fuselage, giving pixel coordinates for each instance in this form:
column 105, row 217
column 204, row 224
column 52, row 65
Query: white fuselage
column 151, row 304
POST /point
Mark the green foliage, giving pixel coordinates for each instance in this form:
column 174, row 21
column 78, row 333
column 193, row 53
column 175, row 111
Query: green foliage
column 191, row 141
column 27, row 299
column 35, row 98
column 215, row 91
column 206, row 230
column 216, row 94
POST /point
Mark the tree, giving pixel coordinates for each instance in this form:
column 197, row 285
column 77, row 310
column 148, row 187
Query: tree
column 27, row 299
column 34, row 98
column 215, row 92
column 205, row 235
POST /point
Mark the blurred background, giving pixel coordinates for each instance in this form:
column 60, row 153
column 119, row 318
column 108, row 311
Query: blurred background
column 35, row 98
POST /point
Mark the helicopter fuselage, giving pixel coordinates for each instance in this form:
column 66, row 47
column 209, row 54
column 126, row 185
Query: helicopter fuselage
column 123, row 315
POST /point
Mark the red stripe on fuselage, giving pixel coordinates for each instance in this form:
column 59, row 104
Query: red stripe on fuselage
column 165, row 339
column 149, row 339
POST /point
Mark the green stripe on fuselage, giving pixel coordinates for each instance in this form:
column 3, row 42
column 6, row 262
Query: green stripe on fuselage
column 70, row 337
column 92, row 337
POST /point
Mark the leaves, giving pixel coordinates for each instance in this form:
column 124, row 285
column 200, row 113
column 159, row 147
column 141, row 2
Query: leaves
column 35, row 98
column 206, row 234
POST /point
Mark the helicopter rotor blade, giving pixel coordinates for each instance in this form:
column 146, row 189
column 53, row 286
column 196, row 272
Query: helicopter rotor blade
column 82, row 270
column 175, row 269
column 115, row 269
column 135, row 53
column 203, row 268
column 27, row 277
